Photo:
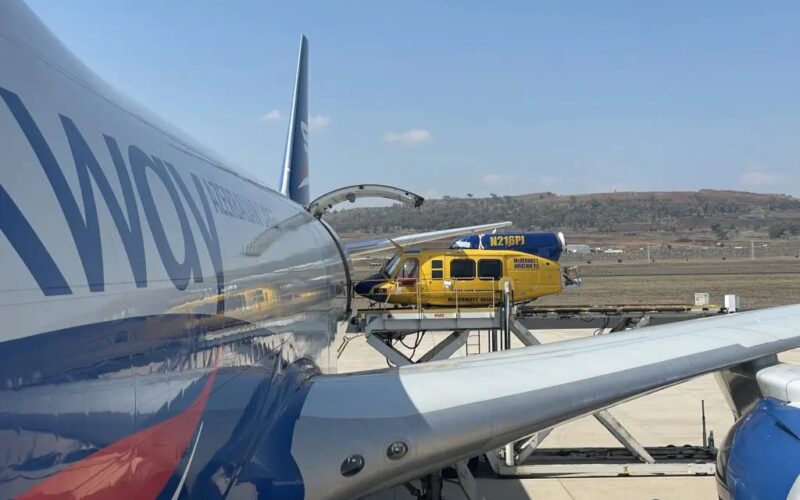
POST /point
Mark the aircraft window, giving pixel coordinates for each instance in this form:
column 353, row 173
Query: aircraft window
column 391, row 266
column 436, row 269
column 490, row 269
column 410, row 267
column 463, row 269
column 258, row 296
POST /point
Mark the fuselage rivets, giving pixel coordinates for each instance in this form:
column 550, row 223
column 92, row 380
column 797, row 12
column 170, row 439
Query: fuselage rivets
column 352, row 465
column 396, row 450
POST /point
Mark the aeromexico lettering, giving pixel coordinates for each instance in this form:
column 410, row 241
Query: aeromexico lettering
column 85, row 227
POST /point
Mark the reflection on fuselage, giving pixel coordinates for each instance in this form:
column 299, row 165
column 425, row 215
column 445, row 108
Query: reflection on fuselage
column 150, row 294
column 87, row 387
column 119, row 376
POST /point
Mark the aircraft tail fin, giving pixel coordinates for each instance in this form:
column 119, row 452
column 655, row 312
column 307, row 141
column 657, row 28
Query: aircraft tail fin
column 294, row 177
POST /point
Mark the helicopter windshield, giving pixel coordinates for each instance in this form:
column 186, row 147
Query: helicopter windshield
column 390, row 267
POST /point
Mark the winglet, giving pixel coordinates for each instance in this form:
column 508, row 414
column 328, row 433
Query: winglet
column 294, row 177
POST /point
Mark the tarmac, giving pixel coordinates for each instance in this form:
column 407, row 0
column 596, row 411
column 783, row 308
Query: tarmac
column 670, row 416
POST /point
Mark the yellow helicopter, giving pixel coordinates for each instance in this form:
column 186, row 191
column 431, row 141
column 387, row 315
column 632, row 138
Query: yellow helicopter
column 472, row 272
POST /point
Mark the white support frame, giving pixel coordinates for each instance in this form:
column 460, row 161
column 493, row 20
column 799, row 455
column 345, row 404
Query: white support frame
column 381, row 326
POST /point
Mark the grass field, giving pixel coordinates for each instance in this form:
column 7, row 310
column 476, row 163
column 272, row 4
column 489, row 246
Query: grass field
column 759, row 283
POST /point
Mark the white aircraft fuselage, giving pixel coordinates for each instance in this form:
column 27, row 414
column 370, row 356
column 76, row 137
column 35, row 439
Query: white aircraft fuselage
column 130, row 296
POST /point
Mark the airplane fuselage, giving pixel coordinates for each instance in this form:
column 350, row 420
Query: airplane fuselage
column 141, row 278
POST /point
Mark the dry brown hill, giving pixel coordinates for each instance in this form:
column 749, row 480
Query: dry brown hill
column 675, row 215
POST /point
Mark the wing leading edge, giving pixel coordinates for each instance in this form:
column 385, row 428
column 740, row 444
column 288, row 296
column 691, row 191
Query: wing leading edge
column 451, row 410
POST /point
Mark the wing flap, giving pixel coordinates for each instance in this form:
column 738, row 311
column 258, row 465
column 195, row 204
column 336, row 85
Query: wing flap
column 451, row 410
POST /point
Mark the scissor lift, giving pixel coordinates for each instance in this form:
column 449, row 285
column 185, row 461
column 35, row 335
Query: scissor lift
column 384, row 327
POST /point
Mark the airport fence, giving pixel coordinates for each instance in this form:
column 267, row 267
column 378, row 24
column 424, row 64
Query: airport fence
column 724, row 251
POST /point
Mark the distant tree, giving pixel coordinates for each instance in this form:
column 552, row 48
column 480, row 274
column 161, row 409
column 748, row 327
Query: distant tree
column 776, row 230
column 493, row 195
column 719, row 231
column 784, row 229
column 469, row 195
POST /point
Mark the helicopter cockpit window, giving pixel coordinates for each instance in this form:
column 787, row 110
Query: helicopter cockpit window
column 409, row 270
column 391, row 266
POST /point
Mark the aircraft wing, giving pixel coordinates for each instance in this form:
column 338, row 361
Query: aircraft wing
column 452, row 410
column 361, row 247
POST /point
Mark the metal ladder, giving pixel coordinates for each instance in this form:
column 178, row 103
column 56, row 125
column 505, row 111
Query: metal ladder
column 473, row 345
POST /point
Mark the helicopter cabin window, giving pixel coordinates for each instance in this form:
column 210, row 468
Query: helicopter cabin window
column 410, row 268
column 490, row 269
column 437, row 268
column 462, row 269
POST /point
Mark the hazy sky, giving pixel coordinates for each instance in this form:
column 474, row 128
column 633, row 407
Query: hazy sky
column 456, row 97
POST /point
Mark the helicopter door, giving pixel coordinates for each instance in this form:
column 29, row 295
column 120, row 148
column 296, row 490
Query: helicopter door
column 409, row 272
column 490, row 275
column 466, row 288
column 408, row 279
